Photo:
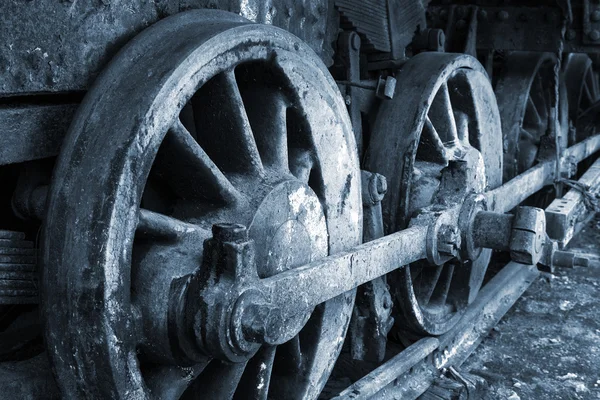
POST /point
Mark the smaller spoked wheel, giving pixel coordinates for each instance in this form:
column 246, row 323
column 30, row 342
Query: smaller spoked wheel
column 583, row 92
column 525, row 93
column 203, row 119
column 443, row 119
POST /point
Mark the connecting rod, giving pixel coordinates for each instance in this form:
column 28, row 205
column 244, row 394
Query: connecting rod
column 515, row 191
column 247, row 312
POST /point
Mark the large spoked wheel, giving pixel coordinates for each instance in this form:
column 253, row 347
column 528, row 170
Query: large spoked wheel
column 524, row 92
column 444, row 113
column 203, row 118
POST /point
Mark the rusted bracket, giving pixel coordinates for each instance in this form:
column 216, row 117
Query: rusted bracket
column 564, row 215
column 515, row 191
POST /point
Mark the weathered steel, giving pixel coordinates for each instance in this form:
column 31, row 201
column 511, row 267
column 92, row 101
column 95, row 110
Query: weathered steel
column 563, row 214
column 504, row 27
column 371, row 317
column 18, row 272
column 515, row 191
column 525, row 93
column 452, row 348
column 494, row 300
column 61, row 46
column 295, row 185
column 444, row 112
column 32, row 132
column 385, row 374
column 582, row 91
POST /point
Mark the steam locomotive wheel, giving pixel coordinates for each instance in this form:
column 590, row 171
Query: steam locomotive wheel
column 204, row 118
column 582, row 88
column 445, row 113
column 582, row 91
column 524, row 93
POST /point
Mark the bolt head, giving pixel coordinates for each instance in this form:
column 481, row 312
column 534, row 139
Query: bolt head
column 570, row 34
column 381, row 184
column 595, row 15
column 502, row 15
column 594, row 35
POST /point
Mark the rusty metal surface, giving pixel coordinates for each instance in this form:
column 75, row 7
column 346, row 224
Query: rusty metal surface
column 247, row 165
column 408, row 377
column 563, row 214
column 445, row 112
column 18, row 278
column 33, row 131
column 57, row 46
column 524, row 90
column 506, row 27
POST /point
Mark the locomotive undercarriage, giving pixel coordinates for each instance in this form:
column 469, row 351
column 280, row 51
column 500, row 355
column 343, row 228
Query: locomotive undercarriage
column 226, row 216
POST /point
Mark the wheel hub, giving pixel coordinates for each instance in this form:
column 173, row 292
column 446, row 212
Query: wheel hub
column 288, row 229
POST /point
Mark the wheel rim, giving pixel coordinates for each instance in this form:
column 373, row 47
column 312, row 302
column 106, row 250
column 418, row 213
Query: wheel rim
column 444, row 111
column 106, row 169
column 524, row 93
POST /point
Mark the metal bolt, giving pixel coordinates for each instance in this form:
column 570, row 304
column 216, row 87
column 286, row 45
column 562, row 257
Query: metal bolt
column 461, row 24
column 448, row 240
column 594, row 35
column 571, row 34
column 595, row 15
column 482, row 14
column 227, row 232
column 502, row 15
column 348, row 100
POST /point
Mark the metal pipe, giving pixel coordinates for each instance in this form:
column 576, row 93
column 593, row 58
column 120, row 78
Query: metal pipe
column 386, row 373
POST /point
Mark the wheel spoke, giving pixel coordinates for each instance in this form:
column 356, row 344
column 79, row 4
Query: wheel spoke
column 223, row 127
column 219, row 380
column 532, row 116
column 267, row 112
column 431, row 148
column 462, row 127
column 257, row 375
column 440, row 294
column 537, row 94
column 428, row 280
column 301, row 162
column 442, row 117
column 184, row 166
column 159, row 225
